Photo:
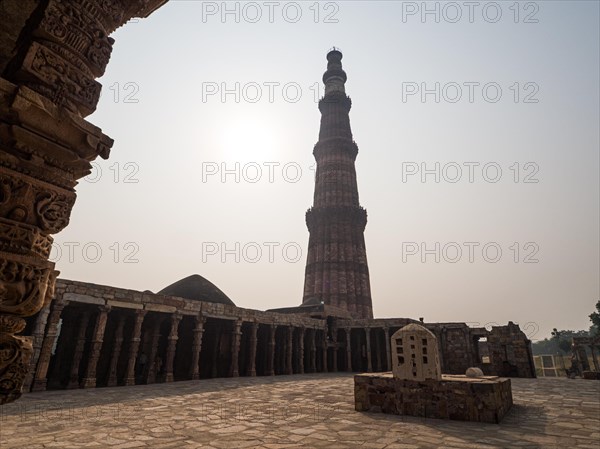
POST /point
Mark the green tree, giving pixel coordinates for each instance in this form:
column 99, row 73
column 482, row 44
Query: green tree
column 595, row 319
column 563, row 339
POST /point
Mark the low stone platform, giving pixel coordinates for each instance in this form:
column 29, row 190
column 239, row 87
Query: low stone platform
column 482, row 399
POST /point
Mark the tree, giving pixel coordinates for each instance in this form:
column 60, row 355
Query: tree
column 595, row 319
column 562, row 339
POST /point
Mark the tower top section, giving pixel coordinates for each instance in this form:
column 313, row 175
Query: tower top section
column 335, row 77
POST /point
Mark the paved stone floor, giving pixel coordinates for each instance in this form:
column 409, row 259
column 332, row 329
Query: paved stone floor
column 311, row 411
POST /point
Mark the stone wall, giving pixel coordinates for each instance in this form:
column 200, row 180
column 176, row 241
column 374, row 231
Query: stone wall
column 510, row 351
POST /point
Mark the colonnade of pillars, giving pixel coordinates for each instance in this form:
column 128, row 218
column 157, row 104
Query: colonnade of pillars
column 109, row 347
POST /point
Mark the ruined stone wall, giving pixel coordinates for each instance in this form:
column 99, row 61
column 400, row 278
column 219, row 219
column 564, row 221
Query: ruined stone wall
column 510, row 351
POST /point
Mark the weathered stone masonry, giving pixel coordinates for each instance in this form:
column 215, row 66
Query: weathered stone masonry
column 51, row 53
column 96, row 335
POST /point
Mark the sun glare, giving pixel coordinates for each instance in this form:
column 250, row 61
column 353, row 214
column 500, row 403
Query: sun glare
column 249, row 139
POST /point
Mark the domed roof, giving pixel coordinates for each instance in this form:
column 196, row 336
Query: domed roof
column 197, row 288
column 415, row 328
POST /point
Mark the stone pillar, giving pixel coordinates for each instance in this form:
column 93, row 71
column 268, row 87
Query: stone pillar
column 377, row 352
column 335, row 350
column 301, row 350
column 368, row 348
column 271, row 351
column 388, row 353
column 313, row 351
column 594, row 358
column 38, row 338
column 324, row 351
column 116, row 352
column 89, row 378
column 582, row 357
column 151, row 363
column 78, row 352
column 214, row 368
column 348, row 350
column 252, row 355
column 197, row 347
column 235, row 348
column 134, row 346
column 289, row 350
column 442, row 348
column 39, row 381
column 172, row 346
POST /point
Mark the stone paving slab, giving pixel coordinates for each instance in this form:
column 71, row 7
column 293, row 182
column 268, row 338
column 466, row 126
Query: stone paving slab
column 308, row 411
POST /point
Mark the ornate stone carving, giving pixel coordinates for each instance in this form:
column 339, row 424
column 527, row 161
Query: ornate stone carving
column 60, row 80
column 23, row 284
column 24, row 239
column 47, row 86
column 26, row 200
column 15, row 355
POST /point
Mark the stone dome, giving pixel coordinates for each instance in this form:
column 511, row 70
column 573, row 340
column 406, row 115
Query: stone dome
column 197, row 288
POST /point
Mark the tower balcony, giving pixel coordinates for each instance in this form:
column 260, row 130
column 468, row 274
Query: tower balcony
column 316, row 216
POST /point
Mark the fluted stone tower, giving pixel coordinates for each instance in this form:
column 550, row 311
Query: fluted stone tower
column 337, row 274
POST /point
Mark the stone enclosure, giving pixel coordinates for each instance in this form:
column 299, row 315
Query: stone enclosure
column 416, row 386
column 483, row 399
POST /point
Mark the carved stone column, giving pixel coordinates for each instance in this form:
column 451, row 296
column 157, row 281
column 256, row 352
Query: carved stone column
column 377, row 352
column 301, row 350
column 594, row 358
column 89, row 378
column 252, row 354
column 47, row 88
column 313, row 351
column 216, row 354
column 40, row 380
column 388, row 353
column 38, row 338
column 171, row 347
column 78, row 352
column 151, row 363
column 289, row 350
column 114, row 358
column 271, row 351
column 335, row 350
column 324, row 350
column 368, row 349
column 235, row 348
column 134, row 347
column 348, row 350
column 197, row 347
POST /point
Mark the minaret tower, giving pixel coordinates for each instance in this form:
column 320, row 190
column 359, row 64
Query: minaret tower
column 336, row 268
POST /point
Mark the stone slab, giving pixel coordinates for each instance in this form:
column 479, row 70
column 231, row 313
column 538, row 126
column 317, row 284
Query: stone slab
column 160, row 308
column 77, row 297
column 124, row 305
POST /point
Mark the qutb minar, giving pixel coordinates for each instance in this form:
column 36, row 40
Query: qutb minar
column 337, row 274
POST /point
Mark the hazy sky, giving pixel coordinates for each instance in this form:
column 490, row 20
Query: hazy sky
column 517, row 89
